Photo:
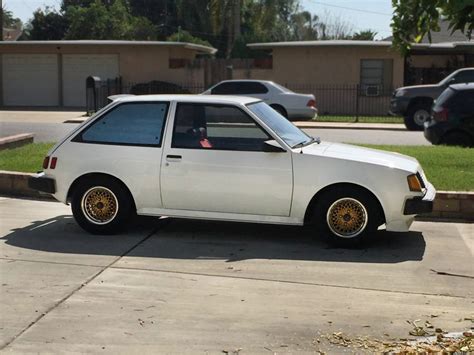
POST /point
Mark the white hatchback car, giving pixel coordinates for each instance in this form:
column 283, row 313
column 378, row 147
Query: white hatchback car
column 226, row 158
column 292, row 105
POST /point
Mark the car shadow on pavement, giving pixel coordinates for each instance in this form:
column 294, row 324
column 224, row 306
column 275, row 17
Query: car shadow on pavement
column 196, row 239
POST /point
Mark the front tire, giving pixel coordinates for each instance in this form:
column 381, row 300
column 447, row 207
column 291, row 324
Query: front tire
column 347, row 216
column 101, row 205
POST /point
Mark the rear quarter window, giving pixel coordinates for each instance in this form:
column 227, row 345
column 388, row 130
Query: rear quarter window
column 138, row 124
column 240, row 88
column 444, row 97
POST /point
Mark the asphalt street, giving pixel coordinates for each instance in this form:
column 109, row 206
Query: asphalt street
column 176, row 286
column 52, row 132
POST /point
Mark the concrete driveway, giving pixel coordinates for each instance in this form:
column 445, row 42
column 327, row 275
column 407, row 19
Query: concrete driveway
column 178, row 286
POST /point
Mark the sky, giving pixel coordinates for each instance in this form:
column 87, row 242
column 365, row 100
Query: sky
column 362, row 14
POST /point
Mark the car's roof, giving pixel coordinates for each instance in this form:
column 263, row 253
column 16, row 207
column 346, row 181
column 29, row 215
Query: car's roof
column 246, row 80
column 465, row 69
column 218, row 99
column 463, row 86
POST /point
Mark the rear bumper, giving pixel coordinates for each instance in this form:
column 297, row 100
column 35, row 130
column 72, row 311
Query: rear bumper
column 306, row 113
column 42, row 183
column 433, row 131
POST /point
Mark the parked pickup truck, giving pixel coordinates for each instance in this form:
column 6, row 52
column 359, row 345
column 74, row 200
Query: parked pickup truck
column 414, row 102
column 227, row 158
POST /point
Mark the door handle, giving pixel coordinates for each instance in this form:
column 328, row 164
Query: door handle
column 173, row 157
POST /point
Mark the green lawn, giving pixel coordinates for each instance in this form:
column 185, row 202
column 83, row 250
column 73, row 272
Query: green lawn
column 27, row 159
column 364, row 119
column 448, row 168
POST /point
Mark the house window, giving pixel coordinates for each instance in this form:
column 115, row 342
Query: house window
column 376, row 76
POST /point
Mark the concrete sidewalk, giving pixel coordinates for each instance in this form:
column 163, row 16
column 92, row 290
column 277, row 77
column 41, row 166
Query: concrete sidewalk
column 182, row 286
column 78, row 117
column 41, row 116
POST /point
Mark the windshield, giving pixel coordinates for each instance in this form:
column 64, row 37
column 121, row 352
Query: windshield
column 448, row 78
column 286, row 130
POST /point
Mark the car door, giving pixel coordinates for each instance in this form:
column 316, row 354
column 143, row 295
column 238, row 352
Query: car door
column 213, row 161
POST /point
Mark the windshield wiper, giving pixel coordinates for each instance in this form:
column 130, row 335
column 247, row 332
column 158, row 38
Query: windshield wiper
column 305, row 143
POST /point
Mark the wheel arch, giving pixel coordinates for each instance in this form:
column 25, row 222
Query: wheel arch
column 274, row 106
column 324, row 190
column 95, row 175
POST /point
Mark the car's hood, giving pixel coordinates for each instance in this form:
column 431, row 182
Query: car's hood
column 364, row 155
column 419, row 87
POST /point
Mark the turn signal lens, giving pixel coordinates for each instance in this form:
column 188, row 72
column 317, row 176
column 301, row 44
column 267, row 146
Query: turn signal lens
column 311, row 103
column 45, row 162
column 413, row 183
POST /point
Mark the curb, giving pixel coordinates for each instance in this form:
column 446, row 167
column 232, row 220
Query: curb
column 16, row 140
column 15, row 184
column 451, row 205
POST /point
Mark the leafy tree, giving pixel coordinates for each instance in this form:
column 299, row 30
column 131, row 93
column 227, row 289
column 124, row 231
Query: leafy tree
column 366, row 35
column 162, row 13
column 46, row 25
column 101, row 21
column 413, row 19
column 9, row 21
column 185, row 36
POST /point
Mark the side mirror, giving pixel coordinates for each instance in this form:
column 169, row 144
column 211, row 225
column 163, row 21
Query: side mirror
column 272, row 146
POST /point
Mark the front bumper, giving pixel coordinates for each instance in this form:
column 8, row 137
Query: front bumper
column 399, row 105
column 42, row 183
column 420, row 204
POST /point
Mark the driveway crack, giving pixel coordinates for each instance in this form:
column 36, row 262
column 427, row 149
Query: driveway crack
column 89, row 280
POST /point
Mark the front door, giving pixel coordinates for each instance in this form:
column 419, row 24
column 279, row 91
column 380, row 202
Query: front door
column 213, row 161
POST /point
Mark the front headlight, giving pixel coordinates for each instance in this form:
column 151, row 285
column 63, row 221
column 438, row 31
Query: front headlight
column 414, row 183
column 400, row 93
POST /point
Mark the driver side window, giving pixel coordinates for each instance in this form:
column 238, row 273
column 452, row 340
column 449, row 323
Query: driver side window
column 216, row 127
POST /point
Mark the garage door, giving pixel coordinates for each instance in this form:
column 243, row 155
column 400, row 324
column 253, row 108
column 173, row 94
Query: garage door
column 30, row 80
column 77, row 67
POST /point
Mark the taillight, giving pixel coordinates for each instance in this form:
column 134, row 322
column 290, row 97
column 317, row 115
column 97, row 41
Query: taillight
column 51, row 163
column 54, row 160
column 441, row 116
column 45, row 162
column 311, row 103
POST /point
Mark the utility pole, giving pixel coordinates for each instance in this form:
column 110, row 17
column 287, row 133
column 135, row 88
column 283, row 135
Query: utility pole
column 1, row 18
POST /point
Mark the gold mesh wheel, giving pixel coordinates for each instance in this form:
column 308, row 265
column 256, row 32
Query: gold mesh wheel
column 347, row 217
column 99, row 205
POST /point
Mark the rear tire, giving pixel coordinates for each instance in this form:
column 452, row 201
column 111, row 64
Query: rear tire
column 101, row 205
column 457, row 138
column 416, row 116
column 347, row 216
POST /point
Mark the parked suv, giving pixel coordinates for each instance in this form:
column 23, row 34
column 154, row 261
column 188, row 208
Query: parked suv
column 452, row 121
column 414, row 102
column 287, row 103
